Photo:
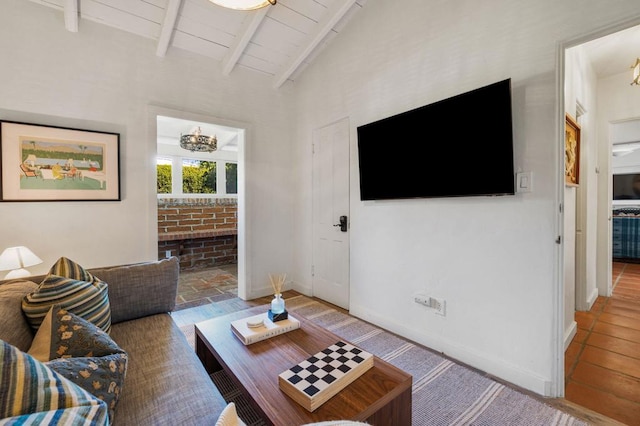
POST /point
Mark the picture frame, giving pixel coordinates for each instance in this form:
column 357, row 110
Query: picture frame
column 571, row 151
column 50, row 163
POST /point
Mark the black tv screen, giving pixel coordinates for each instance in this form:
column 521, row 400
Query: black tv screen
column 456, row 147
column 626, row 186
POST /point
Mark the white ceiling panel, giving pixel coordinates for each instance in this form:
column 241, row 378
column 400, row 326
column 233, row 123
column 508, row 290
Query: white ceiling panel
column 278, row 41
column 117, row 18
column 208, row 14
column 278, row 38
column 614, row 53
column 198, row 45
column 205, row 32
column 139, row 8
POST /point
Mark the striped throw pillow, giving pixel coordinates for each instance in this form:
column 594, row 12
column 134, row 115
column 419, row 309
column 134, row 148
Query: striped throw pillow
column 85, row 299
column 65, row 267
column 35, row 394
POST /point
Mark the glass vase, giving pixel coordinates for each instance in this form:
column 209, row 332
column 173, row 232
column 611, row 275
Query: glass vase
column 277, row 304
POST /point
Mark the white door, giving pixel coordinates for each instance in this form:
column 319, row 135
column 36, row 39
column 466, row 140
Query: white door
column 331, row 201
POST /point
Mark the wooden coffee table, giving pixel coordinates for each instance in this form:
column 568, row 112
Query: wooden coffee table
column 381, row 396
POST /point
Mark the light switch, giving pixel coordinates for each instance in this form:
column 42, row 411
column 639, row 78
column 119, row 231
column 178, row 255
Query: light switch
column 524, row 182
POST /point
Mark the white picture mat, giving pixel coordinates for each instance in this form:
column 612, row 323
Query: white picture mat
column 13, row 133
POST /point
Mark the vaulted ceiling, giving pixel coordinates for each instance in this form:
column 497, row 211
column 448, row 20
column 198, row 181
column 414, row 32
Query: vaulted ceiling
column 279, row 41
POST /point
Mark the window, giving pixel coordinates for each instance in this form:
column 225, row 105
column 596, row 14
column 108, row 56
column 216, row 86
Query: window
column 231, row 173
column 163, row 169
column 198, row 176
column 177, row 176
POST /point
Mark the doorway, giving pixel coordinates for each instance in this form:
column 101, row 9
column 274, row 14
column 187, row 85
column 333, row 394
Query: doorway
column 330, row 274
column 219, row 191
column 595, row 73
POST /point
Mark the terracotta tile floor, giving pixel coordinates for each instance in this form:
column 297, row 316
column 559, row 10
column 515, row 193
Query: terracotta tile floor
column 602, row 363
column 203, row 286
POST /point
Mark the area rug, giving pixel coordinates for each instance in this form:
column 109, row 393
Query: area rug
column 444, row 392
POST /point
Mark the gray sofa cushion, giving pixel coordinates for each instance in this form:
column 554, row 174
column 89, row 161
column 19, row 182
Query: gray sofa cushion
column 166, row 382
column 15, row 329
column 130, row 293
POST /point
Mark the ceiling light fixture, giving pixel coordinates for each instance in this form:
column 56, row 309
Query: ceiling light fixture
column 196, row 141
column 243, row 4
column 636, row 72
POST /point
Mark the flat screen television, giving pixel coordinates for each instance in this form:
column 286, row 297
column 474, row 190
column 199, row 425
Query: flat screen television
column 626, row 186
column 457, row 147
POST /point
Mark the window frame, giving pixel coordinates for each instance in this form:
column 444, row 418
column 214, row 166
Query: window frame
column 176, row 177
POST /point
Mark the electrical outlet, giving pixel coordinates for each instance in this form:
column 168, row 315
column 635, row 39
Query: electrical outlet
column 439, row 305
column 422, row 300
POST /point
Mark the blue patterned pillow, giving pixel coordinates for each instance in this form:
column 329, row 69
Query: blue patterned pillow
column 85, row 299
column 83, row 353
column 34, row 394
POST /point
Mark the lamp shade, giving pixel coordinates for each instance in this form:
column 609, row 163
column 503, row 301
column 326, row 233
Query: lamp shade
column 18, row 258
column 243, row 4
column 636, row 72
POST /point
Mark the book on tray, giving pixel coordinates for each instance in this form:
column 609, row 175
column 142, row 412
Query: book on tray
column 259, row 327
column 315, row 380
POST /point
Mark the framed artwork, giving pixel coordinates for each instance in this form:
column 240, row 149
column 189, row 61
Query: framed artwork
column 47, row 163
column 571, row 152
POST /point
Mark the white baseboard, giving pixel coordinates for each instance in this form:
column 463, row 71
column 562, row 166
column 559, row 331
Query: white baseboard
column 484, row 362
column 255, row 293
column 301, row 288
column 592, row 298
column 570, row 333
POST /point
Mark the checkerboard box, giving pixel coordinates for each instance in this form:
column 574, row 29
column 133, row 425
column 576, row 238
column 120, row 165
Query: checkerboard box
column 315, row 380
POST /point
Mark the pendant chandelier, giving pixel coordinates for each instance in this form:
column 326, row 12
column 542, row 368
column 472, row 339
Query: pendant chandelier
column 197, row 142
column 636, row 72
column 243, row 4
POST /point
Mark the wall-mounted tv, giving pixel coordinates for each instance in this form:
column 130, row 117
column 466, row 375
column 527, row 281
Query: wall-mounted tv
column 626, row 186
column 457, row 147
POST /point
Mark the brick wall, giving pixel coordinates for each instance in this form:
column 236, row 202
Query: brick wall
column 202, row 232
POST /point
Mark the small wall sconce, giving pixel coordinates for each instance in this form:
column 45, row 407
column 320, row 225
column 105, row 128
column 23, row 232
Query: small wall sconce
column 16, row 259
column 636, row 73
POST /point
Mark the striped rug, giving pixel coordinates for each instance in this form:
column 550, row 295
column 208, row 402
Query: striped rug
column 444, row 393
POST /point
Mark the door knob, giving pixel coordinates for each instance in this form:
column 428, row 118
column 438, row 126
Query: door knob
column 342, row 224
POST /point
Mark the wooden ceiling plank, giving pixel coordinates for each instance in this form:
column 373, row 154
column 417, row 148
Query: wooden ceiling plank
column 198, row 45
column 71, row 15
column 245, row 35
column 334, row 14
column 280, row 37
column 116, row 18
column 167, row 27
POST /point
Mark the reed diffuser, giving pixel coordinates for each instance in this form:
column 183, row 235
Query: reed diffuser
column 277, row 304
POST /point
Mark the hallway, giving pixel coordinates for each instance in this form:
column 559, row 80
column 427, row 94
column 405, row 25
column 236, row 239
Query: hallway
column 602, row 363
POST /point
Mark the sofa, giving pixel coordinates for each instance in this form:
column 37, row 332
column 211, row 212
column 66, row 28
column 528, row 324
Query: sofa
column 165, row 382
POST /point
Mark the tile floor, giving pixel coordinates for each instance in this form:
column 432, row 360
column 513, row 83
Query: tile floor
column 602, row 363
column 212, row 292
column 199, row 287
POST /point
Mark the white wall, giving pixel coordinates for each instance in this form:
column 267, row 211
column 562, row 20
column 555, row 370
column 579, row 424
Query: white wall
column 494, row 260
column 580, row 203
column 105, row 79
